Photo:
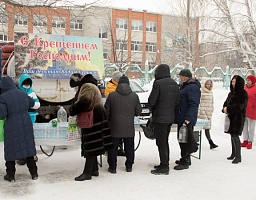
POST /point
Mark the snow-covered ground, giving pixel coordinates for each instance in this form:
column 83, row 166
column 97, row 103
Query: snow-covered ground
column 212, row 177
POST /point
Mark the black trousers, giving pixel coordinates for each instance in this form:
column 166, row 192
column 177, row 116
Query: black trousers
column 185, row 155
column 129, row 152
column 91, row 165
column 31, row 164
column 162, row 131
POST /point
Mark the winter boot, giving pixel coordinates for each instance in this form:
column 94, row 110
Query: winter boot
column 232, row 156
column 9, row 178
column 244, row 144
column 212, row 145
column 249, row 145
column 238, row 158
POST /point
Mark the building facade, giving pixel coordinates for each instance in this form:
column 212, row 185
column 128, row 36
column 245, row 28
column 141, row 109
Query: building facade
column 129, row 37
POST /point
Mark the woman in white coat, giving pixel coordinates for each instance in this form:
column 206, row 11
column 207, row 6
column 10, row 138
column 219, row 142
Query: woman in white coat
column 206, row 107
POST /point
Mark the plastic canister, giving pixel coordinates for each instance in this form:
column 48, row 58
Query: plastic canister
column 183, row 134
column 61, row 116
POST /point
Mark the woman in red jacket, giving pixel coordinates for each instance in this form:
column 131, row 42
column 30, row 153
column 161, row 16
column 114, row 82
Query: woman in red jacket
column 249, row 124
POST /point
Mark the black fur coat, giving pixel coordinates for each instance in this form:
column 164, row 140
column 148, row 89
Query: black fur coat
column 236, row 103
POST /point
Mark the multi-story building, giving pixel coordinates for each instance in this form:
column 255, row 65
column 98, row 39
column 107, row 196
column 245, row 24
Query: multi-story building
column 128, row 36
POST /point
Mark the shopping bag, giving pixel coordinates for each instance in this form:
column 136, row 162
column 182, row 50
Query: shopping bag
column 2, row 122
column 149, row 129
column 226, row 124
column 73, row 132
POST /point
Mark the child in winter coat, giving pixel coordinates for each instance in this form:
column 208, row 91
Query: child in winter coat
column 206, row 107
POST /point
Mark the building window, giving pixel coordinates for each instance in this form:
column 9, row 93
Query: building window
column 58, row 22
column 137, row 25
column 136, row 46
column 151, row 26
column 3, row 37
column 21, row 20
column 135, row 63
column 121, row 45
column 150, row 46
column 103, row 33
column 39, row 20
column 3, row 18
column 121, row 23
column 76, row 24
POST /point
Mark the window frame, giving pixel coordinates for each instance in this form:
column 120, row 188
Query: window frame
column 123, row 25
column 59, row 22
column 122, row 44
column 21, row 20
column 41, row 19
column 101, row 33
column 136, row 46
column 137, row 25
column 3, row 37
column 77, row 24
column 151, row 27
column 151, row 47
column 3, row 18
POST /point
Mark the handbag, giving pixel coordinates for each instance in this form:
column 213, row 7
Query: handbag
column 226, row 124
column 149, row 129
column 73, row 132
column 85, row 119
column 2, row 122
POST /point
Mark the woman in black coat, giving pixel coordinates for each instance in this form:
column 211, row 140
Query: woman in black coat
column 235, row 107
column 97, row 139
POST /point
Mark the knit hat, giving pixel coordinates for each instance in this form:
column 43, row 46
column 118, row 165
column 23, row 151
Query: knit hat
column 252, row 78
column 75, row 79
column 123, row 79
column 116, row 76
column 185, row 72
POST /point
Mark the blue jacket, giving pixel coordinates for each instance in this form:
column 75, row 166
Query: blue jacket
column 18, row 129
column 187, row 109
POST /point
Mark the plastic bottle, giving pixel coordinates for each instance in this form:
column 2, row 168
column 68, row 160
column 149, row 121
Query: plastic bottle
column 62, row 116
column 183, row 134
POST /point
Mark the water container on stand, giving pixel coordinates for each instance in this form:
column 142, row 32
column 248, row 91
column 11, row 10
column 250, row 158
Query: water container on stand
column 62, row 117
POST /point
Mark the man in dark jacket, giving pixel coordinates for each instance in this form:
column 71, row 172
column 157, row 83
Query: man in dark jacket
column 121, row 107
column 186, row 112
column 162, row 101
column 18, row 130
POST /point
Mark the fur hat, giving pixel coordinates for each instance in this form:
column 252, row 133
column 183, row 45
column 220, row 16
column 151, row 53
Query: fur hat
column 88, row 78
column 252, row 78
column 75, row 79
column 116, row 76
column 124, row 79
column 185, row 72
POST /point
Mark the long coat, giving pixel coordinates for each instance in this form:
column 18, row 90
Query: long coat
column 121, row 106
column 251, row 104
column 164, row 96
column 97, row 139
column 206, row 106
column 236, row 106
column 18, row 129
column 187, row 109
